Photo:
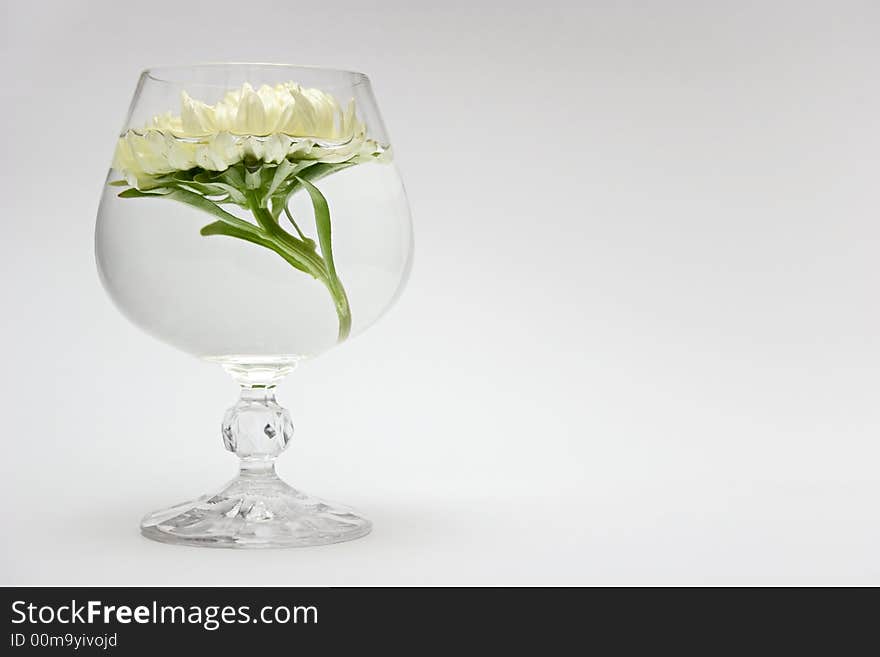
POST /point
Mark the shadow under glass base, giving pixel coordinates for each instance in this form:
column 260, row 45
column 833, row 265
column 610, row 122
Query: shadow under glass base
column 255, row 511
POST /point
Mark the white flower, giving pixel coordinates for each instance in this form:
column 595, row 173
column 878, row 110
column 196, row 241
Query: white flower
column 267, row 124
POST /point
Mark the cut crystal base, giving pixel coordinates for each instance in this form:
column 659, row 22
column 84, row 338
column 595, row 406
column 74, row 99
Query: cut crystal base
column 255, row 510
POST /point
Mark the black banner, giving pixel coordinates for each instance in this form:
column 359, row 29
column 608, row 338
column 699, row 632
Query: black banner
column 127, row 621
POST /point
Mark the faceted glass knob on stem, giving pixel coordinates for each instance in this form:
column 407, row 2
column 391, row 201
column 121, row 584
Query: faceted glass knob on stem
column 257, row 508
column 257, row 428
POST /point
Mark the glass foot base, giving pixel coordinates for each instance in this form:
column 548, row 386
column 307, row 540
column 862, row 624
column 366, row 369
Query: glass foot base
column 255, row 511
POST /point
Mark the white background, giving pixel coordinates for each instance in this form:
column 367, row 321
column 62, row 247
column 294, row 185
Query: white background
column 639, row 344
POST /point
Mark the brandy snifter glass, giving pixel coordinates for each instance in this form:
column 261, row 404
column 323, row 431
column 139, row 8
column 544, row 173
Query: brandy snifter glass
column 253, row 217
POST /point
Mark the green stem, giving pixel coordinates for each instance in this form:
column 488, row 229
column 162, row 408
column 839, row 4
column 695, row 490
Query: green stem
column 343, row 310
column 288, row 246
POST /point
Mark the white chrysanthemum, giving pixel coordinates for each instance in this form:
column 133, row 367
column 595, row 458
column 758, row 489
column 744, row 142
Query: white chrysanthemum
column 267, row 124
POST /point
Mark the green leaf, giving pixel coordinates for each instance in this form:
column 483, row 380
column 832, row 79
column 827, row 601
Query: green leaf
column 337, row 291
column 314, row 172
column 200, row 202
column 204, row 176
column 276, row 206
column 194, row 200
column 152, row 182
column 133, row 192
column 322, row 222
column 282, row 173
column 322, row 169
column 221, row 228
column 285, row 176
column 234, row 176
column 118, row 183
column 215, row 189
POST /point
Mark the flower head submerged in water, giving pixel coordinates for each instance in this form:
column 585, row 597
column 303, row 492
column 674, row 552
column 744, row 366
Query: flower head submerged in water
column 250, row 153
column 268, row 124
